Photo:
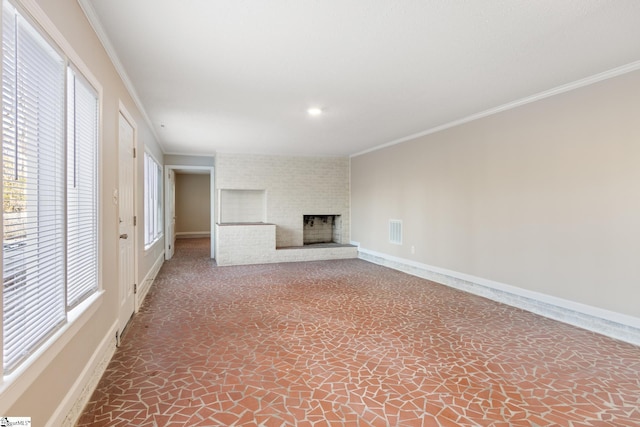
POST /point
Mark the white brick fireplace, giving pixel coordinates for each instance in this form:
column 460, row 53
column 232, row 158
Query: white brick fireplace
column 263, row 202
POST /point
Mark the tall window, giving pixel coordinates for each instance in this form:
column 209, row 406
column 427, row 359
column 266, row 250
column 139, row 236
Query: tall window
column 50, row 188
column 152, row 200
column 82, row 189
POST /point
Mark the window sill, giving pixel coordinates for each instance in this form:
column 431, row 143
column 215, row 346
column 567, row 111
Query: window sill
column 16, row 383
column 150, row 246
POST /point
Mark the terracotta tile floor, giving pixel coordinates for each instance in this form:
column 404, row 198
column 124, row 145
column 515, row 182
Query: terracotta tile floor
column 348, row 343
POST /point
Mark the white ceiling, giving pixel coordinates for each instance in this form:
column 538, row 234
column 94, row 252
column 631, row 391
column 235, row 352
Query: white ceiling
column 238, row 75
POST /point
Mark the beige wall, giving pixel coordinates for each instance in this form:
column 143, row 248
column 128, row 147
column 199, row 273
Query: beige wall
column 193, row 203
column 50, row 388
column 181, row 160
column 295, row 186
column 545, row 197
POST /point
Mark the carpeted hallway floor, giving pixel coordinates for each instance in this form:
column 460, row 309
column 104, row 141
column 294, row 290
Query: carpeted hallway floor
column 349, row 343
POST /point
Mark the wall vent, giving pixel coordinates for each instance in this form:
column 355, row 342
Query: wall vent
column 395, row 231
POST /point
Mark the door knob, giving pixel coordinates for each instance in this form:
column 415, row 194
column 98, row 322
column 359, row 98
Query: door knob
column 124, row 236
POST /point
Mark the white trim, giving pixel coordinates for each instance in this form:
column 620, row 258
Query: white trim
column 36, row 12
column 94, row 21
column 123, row 113
column 16, row 383
column 615, row 325
column 153, row 156
column 514, row 104
column 122, row 109
column 73, row 403
column 169, row 211
column 212, row 191
column 187, row 234
column 212, row 219
column 160, row 193
column 203, row 154
column 148, row 280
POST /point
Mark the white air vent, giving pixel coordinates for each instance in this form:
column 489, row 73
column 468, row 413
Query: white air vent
column 395, row 231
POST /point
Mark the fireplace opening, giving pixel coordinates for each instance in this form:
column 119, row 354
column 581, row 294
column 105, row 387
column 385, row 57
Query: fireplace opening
column 319, row 229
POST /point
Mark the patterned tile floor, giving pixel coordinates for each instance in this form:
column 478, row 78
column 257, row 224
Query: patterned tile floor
column 349, row 343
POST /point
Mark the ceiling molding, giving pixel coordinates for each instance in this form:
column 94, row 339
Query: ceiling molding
column 91, row 15
column 514, row 104
column 182, row 153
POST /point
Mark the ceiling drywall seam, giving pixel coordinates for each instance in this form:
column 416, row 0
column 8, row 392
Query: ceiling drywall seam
column 514, row 104
column 106, row 43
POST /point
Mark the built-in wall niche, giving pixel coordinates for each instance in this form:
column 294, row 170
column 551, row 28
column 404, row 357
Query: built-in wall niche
column 242, row 206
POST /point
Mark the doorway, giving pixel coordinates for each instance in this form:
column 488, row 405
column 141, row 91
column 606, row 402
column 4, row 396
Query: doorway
column 126, row 218
column 170, row 204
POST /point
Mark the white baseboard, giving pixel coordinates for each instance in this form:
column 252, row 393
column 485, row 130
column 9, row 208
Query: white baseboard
column 147, row 282
column 192, row 234
column 612, row 324
column 70, row 410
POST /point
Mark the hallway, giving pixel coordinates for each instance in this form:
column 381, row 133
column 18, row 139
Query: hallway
column 349, row 343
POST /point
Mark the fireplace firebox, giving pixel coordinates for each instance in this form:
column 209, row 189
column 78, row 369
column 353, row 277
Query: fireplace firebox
column 319, row 229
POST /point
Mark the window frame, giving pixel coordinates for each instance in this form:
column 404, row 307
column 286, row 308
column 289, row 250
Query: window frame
column 27, row 370
column 82, row 186
column 153, row 220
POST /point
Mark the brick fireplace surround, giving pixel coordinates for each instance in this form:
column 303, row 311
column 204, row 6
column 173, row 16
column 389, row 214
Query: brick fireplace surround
column 281, row 190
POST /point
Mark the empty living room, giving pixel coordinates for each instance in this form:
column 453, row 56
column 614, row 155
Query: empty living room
column 303, row 213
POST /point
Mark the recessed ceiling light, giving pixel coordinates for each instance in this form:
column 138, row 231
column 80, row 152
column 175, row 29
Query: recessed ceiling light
column 315, row 111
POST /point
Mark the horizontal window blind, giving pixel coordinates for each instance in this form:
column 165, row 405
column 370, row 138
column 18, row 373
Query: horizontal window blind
column 82, row 185
column 50, row 188
column 33, row 81
column 152, row 200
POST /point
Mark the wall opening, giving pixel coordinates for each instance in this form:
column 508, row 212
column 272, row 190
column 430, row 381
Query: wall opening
column 319, row 229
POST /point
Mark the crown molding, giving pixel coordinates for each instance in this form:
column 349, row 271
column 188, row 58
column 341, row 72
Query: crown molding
column 514, row 104
column 94, row 21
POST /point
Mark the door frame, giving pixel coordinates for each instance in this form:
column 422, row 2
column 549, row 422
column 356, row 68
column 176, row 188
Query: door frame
column 169, row 213
column 122, row 111
column 169, row 199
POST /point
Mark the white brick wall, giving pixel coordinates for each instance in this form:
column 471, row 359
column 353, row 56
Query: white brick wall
column 255, row 244
column 245, row 244
column 294, row 186
column 242, row 206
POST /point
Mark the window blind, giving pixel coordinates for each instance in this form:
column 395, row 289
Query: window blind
column 152, row 200
column 148, row 208
column 50, row 188
column 33, row 81
column 82, row 185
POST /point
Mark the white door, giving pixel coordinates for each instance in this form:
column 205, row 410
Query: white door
column 126, row 214
column 171, row 213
